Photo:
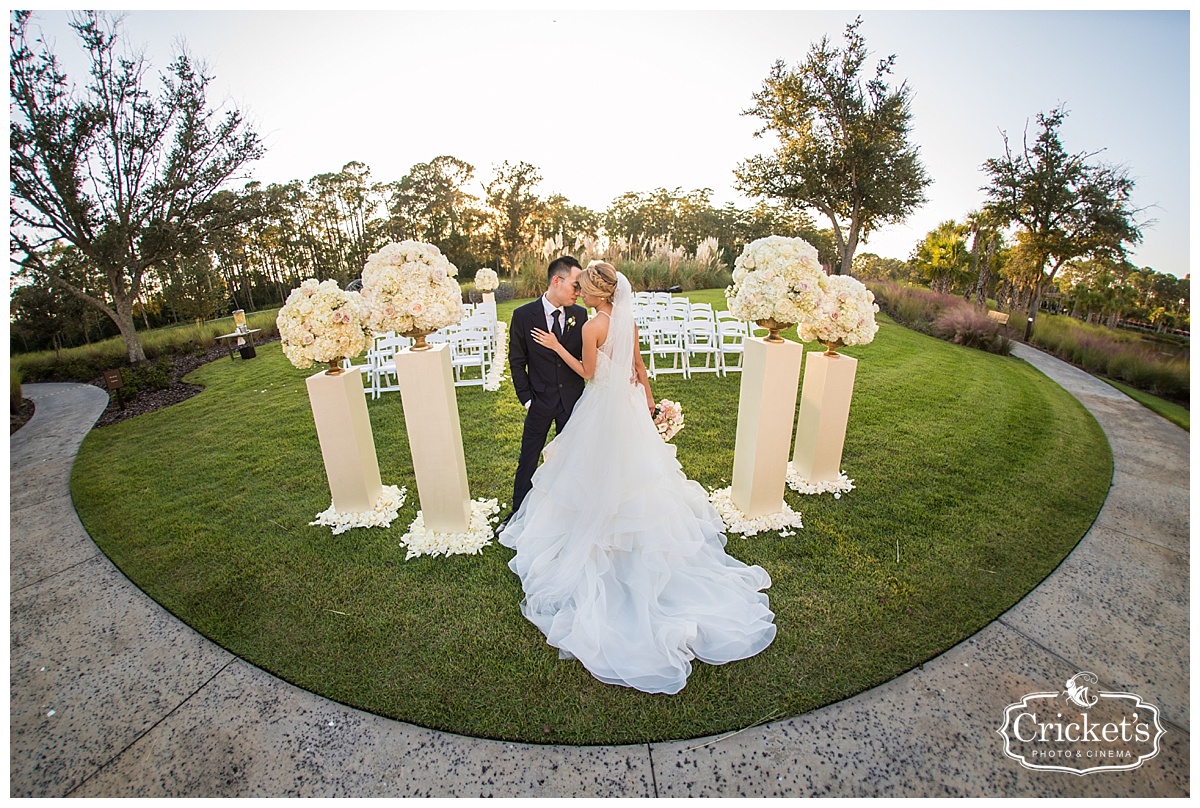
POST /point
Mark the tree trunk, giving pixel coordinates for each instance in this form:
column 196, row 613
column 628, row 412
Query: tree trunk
column 124, row 321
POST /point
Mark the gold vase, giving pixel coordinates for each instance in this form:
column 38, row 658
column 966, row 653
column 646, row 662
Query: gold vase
column 335, row 368
column 831, row 347
column 774, row 326
column 418, row 338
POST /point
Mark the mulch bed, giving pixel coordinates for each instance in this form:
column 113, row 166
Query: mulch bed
column 151, row 400
column 21, row 416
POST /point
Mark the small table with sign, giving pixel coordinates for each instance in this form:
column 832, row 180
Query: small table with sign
column 244, row 345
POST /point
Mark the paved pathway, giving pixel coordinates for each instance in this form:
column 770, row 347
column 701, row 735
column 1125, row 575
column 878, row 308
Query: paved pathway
column 112, row 696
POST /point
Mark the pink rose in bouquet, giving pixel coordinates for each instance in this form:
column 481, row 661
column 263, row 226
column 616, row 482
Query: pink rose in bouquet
column 668, row 418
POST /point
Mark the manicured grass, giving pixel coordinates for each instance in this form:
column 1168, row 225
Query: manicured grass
column 975, row 475
column 1175, row 413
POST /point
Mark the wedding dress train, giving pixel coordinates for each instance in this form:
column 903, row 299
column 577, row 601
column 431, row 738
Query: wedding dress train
column 620, row 556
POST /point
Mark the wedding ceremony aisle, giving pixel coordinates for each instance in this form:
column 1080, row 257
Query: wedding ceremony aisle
column 111, row 695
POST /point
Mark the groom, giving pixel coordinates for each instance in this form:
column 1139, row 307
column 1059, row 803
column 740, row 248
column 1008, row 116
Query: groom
column 544, row 383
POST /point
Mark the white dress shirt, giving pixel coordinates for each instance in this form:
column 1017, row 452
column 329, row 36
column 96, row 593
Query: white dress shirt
column 549, row 308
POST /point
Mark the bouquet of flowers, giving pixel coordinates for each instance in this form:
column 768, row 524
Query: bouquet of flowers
column 486, row 280
column 776, row 278
column 668, row 418
column 409, row 288
column 320, row 322
column 846, row 317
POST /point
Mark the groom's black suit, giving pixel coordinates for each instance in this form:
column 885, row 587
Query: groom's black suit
column 541, row 377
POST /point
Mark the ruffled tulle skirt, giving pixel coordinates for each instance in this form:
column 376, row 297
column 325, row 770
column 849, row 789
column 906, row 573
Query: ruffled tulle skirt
column 622, row 558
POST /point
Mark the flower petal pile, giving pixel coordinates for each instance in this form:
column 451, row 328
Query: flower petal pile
column 410, row 287
column 846, row 315
column 486, row 280
column 776, row 278
column 736, row 521
column 837, row 487
column 495, row 373
column 321, row 322
column 420, row 541
column 391, row 500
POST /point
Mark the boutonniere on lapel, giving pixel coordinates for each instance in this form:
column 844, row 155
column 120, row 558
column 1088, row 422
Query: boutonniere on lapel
column 570, row 323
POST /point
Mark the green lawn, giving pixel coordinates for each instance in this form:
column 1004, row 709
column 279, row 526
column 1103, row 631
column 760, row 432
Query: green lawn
column 975, row 475
column 1175, row 413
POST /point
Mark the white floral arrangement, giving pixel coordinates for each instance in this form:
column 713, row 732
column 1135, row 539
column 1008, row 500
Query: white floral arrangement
column 321, row 322
column 841, row 485
column 410, row 287
column 846, row 317
column 736, row 521
column 495, row 374
column 387, row 506
column 480, row 531
column 486, row 280
column 776, row 278
column 668, row 418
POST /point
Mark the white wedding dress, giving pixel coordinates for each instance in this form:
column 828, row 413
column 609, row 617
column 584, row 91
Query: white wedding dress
column 621, row 557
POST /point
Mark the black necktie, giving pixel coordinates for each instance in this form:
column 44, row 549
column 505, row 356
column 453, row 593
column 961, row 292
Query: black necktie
column 556, row 328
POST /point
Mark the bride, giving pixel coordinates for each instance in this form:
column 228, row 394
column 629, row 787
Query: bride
column 620, row 556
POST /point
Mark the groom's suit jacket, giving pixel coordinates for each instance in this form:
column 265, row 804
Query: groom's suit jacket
column 539, row 373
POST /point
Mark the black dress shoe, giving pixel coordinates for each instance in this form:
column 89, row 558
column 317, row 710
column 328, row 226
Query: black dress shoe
column 500, row 527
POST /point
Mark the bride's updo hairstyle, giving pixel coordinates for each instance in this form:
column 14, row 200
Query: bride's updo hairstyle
column 599, row 280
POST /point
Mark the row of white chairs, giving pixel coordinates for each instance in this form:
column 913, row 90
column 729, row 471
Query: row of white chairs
column 694, row 337
column 472, row 352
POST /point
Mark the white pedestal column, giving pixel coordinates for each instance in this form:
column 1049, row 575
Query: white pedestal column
column 489, row 305
column 766, row 406
column 339, row 407
column 435, row 438
column 824, row 411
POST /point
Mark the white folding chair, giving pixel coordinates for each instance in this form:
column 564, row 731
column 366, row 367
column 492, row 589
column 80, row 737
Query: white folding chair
column 667, row 339
column 700, row 339
column 681, row 309
column 731, row 336
column 470, row 348
column 382, row 362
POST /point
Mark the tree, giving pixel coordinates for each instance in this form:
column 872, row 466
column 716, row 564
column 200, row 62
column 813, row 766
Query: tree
column 514, row 205
column 987, row 239
column 430, row 204
column 119, row 173
column 193, row 288
column 1065, row 206
column 843, row 149
column 942, row 256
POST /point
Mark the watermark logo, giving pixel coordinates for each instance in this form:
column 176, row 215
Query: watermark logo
column 1081, row 729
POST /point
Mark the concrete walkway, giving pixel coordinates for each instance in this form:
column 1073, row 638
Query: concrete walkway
column 112, row 696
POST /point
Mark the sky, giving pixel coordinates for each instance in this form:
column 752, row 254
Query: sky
column 606, row 102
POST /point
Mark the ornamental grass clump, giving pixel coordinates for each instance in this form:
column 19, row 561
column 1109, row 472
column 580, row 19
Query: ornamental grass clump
column 966, row 325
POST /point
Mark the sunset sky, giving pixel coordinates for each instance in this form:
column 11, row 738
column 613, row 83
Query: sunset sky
column 605, row 102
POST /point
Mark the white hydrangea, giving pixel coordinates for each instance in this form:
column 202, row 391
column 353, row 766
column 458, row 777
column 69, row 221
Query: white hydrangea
column 776, row 278
column 846, row 316
column 321, row 322
column 486, row 280
column 409, row 287
column 480, row 531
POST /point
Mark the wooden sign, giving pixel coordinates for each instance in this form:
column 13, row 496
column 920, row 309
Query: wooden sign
column 112, row 378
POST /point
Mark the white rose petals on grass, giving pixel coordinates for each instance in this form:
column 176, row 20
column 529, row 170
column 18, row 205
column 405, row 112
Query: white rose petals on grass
column 419, row 541
column 391, row 500
column 738, row 522
column 495, row 373
column 841, row 485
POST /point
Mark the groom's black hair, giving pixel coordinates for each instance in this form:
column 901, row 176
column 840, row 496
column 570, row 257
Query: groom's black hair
column 561, row 266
